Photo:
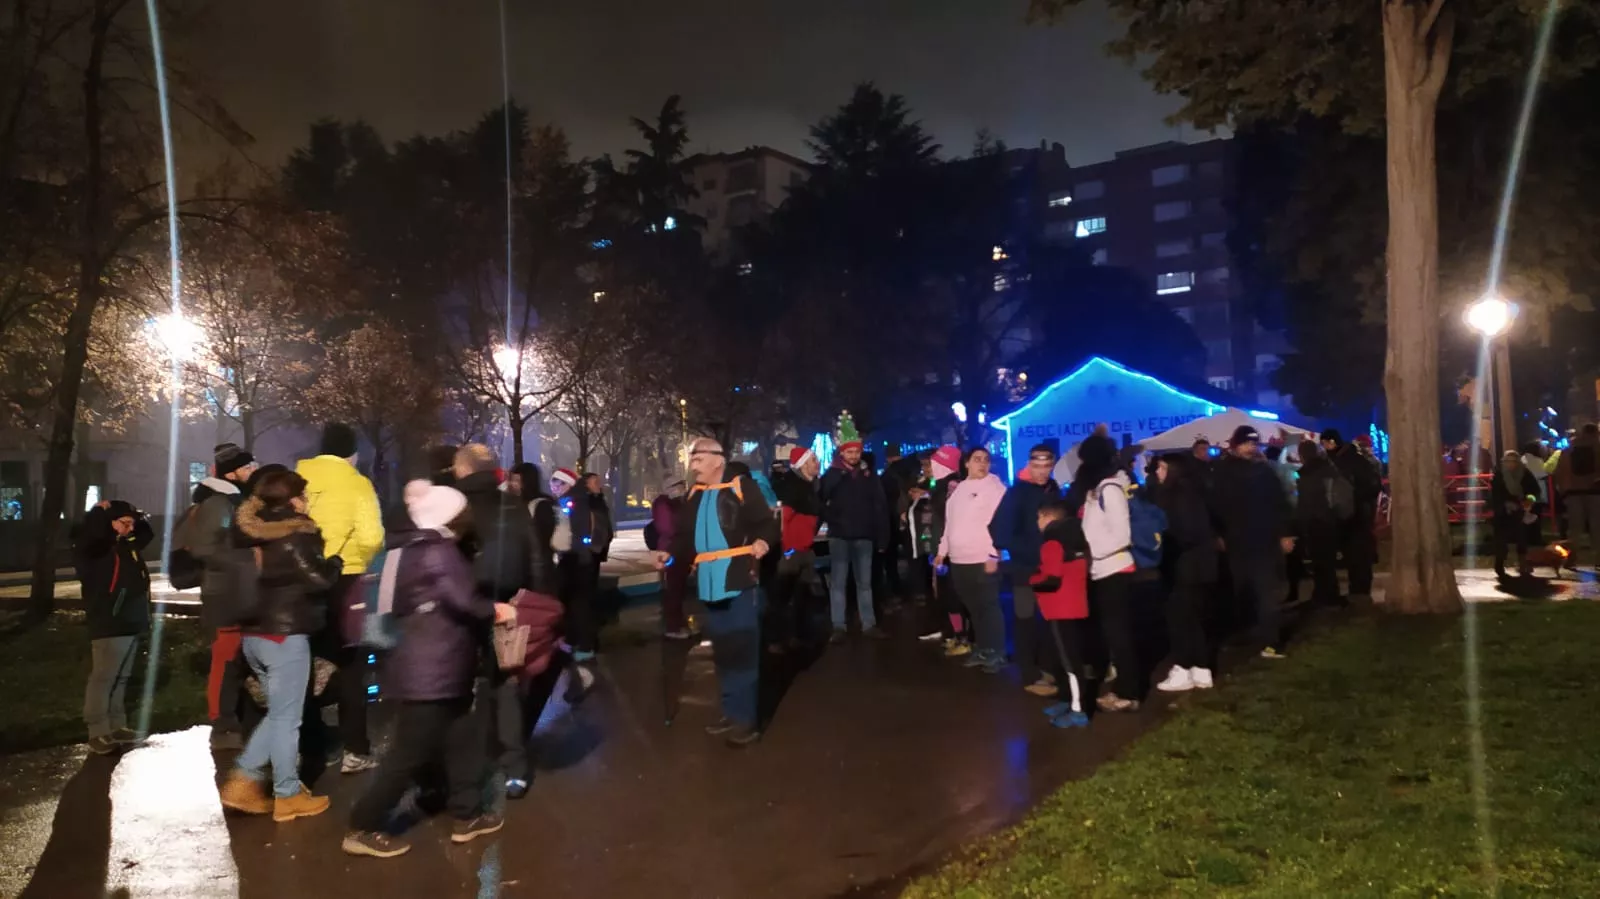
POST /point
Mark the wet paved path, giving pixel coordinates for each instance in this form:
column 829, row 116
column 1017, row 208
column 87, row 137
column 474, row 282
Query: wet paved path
column 882, row 758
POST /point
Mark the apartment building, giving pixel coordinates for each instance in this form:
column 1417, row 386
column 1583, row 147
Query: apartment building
column 738, row 189
column 1160, row 211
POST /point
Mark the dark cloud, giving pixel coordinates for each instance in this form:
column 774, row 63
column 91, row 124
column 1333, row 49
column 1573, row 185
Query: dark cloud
column 750, row 73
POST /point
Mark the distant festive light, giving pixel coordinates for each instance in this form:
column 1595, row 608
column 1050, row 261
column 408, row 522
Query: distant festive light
column 822, row 447
column 959, row 409
column 1257, row 413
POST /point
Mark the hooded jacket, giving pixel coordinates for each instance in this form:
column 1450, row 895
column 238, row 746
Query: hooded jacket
column 1107, row 527
column 1015, row 527
column 345, row 507
column 443, row 619
column 207, row 534
column 114, row 579
column 968, row 511
column 853, row 504
column 292, row 570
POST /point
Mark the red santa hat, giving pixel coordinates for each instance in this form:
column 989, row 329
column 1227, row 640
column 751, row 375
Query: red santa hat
column 800, row 455
column 566, row 476
column 945, row 461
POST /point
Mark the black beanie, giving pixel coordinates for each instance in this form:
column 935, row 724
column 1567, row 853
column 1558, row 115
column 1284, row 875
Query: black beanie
column 229, row 458
column 119, row 509
column 1334, row 435
column 339, row 440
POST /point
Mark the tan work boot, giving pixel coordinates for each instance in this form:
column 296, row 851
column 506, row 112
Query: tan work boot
column 301, row 805
column 242, row 794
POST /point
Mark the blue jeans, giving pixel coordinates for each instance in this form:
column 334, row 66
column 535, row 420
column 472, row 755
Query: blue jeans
column 734, row 627
column 843, row 557
column 284, row 670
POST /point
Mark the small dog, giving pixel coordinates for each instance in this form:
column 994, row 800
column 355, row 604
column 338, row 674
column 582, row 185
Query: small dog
column 1557, row 555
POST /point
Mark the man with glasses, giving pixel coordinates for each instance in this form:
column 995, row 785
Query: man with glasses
column 727, row 528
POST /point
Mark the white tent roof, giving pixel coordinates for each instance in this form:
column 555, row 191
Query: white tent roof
column 1219, row 428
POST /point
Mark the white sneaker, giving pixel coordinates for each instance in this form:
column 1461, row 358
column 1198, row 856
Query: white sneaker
column 1178, row 680
column 1201, row 677
column 355, row 764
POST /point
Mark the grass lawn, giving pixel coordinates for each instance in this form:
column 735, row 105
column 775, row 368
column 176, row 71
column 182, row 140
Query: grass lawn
column 1344, row 771
column 43, row 670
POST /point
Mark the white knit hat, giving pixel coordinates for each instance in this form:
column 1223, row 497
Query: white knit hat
column 431, row 506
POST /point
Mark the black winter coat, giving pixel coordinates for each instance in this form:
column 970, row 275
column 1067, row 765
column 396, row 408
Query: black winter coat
column 510, row 550
column 1312, row 508
column 113, row 576
column 1505, row 505
column 292, row 570
column 1189, row 546
column 592, row 527
column 1251, row 507
column 1365, row 479
column 853, row 505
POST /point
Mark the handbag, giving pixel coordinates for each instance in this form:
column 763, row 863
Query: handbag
column 511, row 646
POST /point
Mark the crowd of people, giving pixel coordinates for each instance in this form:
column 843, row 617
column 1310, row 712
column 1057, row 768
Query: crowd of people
column 478, row 595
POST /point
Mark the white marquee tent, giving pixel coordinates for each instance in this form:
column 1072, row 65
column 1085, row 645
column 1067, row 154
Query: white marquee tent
column 1219, row 428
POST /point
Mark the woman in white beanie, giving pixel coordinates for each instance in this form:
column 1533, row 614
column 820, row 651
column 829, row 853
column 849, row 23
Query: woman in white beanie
column 442, row 621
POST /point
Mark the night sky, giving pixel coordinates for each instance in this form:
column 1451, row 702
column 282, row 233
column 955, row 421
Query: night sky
column 750, row 73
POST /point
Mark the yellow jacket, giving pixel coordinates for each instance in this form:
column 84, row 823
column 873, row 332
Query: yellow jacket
column 343, row 504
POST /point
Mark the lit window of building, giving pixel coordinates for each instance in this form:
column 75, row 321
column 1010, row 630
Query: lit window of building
column 1173, row 210
column 1061, row 198
column 1174, row 282
column 1087, row 227
column 1001, row 282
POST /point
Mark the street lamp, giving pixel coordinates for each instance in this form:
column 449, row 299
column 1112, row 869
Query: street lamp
column 1492, row 317
column 176, row 336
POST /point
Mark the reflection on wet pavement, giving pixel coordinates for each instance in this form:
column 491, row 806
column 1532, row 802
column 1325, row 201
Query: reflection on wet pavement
column 881, row 758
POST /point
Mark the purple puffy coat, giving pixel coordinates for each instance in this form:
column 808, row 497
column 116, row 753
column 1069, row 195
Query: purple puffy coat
column 444, row 624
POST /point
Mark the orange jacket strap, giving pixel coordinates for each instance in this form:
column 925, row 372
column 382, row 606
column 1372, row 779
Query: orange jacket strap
column 733, row 485
column 723, row 554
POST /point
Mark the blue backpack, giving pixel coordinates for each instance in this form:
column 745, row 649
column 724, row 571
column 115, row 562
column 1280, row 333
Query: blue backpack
column 1146, row 522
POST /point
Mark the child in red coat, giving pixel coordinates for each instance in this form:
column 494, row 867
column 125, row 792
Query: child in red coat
column 1062, row 587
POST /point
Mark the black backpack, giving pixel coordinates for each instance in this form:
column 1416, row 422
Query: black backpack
column 240, row 603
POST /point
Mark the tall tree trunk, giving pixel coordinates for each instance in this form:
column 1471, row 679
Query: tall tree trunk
column 518, row 425
column 75, row 356
column 1417, row 41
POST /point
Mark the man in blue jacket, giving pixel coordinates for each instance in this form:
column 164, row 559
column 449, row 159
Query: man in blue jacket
column 1015, row 531
column 727, row 528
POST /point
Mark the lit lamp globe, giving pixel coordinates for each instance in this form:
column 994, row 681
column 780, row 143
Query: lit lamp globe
column 1490, row 316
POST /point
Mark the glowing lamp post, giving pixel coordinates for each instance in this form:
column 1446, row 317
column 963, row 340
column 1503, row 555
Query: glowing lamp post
column 176, row 336
column 1492, row 317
